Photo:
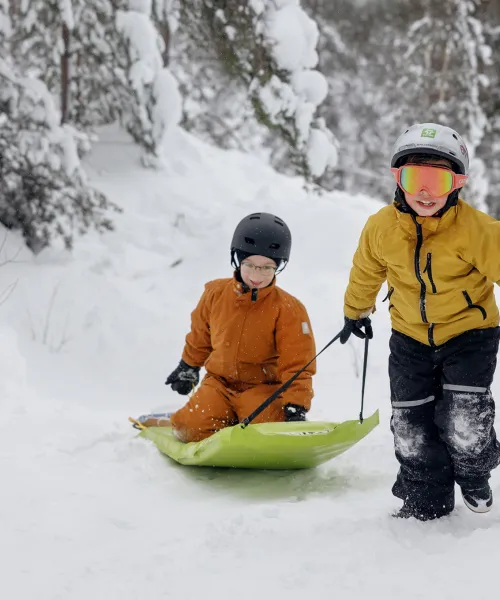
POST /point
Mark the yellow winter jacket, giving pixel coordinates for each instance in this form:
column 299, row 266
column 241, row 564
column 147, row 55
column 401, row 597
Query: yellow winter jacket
column 439, row 271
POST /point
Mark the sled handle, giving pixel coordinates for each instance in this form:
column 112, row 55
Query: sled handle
column 247, row 420
column 136, row 423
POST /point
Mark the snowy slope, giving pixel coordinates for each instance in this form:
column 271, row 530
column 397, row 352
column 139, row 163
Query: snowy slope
column 89, row 511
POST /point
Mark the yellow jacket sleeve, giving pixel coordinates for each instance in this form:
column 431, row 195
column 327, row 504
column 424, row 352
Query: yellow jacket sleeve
column 483, row 249
column 368, row 273
column 198, row 345
column 296, row 347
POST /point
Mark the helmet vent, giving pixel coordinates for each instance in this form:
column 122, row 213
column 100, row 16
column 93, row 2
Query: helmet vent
column 250, row 241
column 254, row 216
column 274, row 246
column 279, row 222
column 455, row 136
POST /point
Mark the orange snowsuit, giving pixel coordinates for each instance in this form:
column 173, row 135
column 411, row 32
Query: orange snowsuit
column 249, row 343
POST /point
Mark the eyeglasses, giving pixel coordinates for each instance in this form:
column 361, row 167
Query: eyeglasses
column 438, row 181
column 265, row 270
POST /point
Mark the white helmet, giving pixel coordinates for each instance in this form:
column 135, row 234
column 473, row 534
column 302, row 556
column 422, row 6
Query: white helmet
column 431, row 138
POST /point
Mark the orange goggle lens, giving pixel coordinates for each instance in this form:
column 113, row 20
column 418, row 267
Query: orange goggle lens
column 437, row 181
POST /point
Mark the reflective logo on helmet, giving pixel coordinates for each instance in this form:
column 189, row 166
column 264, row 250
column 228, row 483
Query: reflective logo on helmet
column 428, row 133
column 463, row 150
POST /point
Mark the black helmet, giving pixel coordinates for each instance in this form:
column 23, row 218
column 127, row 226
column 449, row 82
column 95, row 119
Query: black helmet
column 262, row 234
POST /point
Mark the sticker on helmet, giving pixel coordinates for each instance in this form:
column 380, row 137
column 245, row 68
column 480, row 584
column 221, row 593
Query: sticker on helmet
column 428, row 133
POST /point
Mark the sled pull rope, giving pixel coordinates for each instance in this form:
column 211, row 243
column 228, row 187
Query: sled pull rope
column 363, row 382
column 247, row 420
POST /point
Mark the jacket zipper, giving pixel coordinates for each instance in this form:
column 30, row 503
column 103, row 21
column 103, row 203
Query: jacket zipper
column 470, row 304
column 428, row 270
column 423, row 287
column 253, row 300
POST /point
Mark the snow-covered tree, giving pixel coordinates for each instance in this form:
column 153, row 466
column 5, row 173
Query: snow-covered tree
column 216, row 105
column 357, row 55
column 158, row 104
column 166, row 15
column 102, row 60
column 270, row 48
column 490, row 148
column 43, row 190
column 390, row 64
column 98, row 88
column 66, row 44
column 444, row 76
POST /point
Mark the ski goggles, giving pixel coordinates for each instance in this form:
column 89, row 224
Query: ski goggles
column 438, row 181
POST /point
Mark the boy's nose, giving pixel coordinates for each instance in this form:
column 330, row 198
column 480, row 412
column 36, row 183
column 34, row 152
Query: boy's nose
column 424, row 193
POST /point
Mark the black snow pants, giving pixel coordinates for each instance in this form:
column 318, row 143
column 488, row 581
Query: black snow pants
column 442, row 417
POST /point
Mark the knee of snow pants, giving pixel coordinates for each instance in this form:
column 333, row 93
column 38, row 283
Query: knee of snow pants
column 216, row 405
column 465, row 416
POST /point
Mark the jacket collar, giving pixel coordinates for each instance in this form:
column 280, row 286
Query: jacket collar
column 430, row 225
column 243, row 291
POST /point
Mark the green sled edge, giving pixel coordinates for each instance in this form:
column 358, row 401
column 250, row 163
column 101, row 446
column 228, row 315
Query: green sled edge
column 293, row 445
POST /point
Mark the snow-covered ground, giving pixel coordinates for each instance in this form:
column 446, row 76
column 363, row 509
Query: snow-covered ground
column 87, row 339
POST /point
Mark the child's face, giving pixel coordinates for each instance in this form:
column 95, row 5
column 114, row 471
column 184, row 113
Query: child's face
column 258, row 271
column 423, row 203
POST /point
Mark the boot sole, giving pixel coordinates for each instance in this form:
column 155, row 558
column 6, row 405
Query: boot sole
column 477, row 509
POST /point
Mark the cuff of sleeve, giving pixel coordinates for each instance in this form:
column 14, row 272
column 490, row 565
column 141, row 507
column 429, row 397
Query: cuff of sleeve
column 188, row 360
column 358, row 314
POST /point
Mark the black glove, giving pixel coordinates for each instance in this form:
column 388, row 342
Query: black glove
column 356, row 327
column 184, row 378
column 293, row 412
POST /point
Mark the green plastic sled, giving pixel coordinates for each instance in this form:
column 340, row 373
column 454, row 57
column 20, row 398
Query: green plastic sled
column 295, row 445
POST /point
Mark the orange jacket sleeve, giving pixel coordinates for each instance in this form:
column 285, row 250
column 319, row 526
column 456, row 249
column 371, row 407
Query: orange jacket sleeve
column 296, row 347
column 198, row 345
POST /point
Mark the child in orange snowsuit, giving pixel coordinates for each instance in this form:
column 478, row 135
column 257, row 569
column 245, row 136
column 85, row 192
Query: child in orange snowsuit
column 250, row 335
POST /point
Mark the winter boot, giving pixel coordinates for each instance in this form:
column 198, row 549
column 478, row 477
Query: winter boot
column 154, row 420
column 408, row 511
column 426, row 510
column 479, row 500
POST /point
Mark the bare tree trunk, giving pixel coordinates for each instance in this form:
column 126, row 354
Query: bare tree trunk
column 13, row 9
column 444, row 72
column 161, row 22
column 65, row 74
column 164, row 29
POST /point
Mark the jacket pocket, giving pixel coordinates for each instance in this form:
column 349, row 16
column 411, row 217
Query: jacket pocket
column 389, row 294
column 471, row 304
column 428, row 270
column 388, row 297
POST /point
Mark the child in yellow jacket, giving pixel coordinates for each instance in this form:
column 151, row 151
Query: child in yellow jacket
column 440, row 258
